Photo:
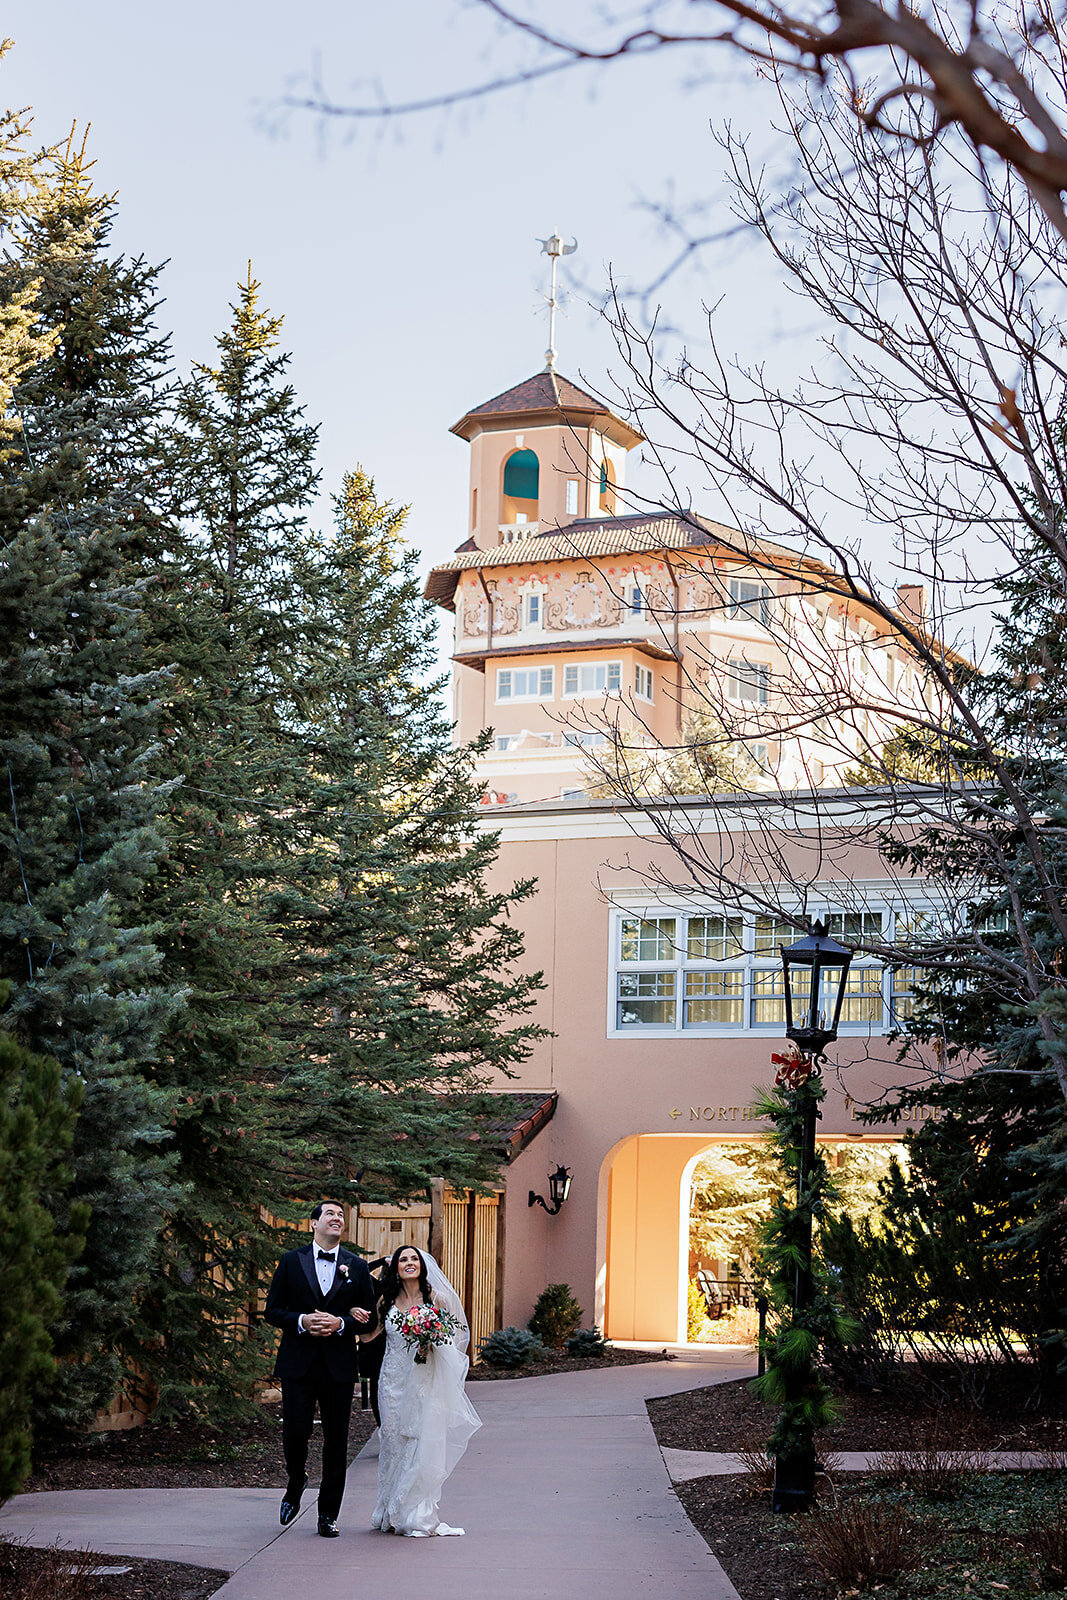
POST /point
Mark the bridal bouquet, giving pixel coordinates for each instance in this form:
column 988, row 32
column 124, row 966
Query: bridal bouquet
column 423, row 1327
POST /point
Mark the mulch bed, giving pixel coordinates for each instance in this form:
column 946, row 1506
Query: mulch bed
column 244, row 1455
column 29, row 1574
column 728, row 1416
column 764, row 1554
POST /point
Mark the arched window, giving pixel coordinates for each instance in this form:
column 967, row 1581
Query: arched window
column 522, row 476
column 607, row 487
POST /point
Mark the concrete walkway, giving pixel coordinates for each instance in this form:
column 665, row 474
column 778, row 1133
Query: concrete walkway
column 563, row 1490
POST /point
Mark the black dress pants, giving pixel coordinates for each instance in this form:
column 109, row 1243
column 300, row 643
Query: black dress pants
column 334, row 1400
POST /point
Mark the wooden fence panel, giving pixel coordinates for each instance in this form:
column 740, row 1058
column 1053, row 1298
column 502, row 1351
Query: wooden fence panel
column 470, row 1225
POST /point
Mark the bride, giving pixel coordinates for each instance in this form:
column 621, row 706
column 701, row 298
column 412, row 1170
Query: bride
column 427, row 1420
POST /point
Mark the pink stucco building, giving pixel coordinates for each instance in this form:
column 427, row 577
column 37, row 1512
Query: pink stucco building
column 573, row 621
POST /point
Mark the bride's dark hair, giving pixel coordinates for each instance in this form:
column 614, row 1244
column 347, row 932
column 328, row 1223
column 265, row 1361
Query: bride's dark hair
column 391, row 1284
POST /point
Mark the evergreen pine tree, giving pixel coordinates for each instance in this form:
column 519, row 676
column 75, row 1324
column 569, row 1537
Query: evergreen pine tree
column 238, row 464
column 408, row 997
column 38, row 1110
column 323, row 901
column 992, row 1169
column 77, row 721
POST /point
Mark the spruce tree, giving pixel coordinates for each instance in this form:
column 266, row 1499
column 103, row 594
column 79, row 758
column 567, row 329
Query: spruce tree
column 78, row 809
column 38, row 1110
column 408, row 1000
column 323, row 903
column 238, row 467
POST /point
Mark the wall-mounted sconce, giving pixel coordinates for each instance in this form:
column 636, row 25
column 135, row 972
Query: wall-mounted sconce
column 559, row 1187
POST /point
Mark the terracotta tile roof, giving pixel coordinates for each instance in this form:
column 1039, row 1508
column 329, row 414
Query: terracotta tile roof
column 596, row 537
column 545, row 391
column 509, row 1120
column 593, row 538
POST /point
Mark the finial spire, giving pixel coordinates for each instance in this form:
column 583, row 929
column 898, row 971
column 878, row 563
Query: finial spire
column 553, row 247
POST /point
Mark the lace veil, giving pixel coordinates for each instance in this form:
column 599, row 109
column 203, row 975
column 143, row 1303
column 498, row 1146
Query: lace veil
column 447, row 1299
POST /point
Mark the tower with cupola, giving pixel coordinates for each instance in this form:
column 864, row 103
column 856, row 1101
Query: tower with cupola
column 543, row 454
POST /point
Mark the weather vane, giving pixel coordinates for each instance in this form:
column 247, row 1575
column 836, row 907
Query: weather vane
column 553, row 247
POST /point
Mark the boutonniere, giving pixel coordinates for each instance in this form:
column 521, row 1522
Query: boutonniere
column 342, row 1269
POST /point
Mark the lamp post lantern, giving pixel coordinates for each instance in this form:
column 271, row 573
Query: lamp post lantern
column 815, row 971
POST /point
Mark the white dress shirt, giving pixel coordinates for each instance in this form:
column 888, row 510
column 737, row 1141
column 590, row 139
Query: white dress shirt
column 326, row 1272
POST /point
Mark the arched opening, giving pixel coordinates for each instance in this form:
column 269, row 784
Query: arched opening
column 649, row 1250
column 522, row 480
column 607, row 488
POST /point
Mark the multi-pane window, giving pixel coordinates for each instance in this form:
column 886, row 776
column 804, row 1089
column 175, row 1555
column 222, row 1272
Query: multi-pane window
column 715, row 970
column 572, row 497
column 714, row 997
column 525, row 683
column 636, row 601
column 771, row 933
column 902, row 993
column 646, row 999
column 648, row 938
column 748, row 680
column 533, row 610
column 854, row 927
column 593, row 677
column 714, row 938
column 863, row 995
column 643, row 682
column 750, row 600
column 585, row 741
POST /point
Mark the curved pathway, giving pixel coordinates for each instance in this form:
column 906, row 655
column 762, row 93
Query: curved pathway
column 563, row 1490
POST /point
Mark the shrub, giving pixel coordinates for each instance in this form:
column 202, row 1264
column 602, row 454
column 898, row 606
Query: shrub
column 1047, row 1538
column 858, row 1544
column 49, row 1574
column 698, row 1323
column 935, row 1465
column 758, row 1468
column 511, row 1347
column 556, row 1315
column 587, row 1342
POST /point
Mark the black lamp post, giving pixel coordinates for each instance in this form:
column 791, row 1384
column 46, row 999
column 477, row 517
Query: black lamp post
column 559, row 1187
column 818, row 968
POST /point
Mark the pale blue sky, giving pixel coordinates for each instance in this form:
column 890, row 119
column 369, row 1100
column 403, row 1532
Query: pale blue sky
column 403, row 260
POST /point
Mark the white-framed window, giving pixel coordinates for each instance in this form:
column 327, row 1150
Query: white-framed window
column 593, row 677
column 750, row 601
column 584, row 741
column 748, row 680
column 525, row 683
column 570, row 794
column 533, row 606
column 506, row 741
column 643, row 682
column 636, row 601
column 682, row 971
column 572, row 497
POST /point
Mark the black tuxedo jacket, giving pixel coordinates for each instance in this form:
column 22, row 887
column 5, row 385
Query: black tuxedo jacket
column 295, row 1291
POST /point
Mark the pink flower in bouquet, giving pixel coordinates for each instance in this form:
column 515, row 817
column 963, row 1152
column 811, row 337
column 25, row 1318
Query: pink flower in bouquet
column 424, row 1327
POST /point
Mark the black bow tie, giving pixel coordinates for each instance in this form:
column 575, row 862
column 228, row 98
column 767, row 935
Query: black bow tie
column 326, row 1255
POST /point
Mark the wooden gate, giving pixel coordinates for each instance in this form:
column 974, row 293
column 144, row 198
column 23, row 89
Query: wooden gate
column 472, row 1232
column 379, row 1230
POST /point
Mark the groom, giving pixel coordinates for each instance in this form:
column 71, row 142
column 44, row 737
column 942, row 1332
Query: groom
column 319, row 1298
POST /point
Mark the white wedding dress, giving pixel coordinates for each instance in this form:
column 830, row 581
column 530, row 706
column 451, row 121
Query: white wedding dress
column 427, row 1423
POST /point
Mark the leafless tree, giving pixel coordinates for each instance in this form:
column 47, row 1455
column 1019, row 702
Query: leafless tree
column 995, row 74
column 938, row 416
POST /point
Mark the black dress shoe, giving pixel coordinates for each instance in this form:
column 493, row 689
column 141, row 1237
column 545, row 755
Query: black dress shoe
column 290, row 1507
column 328, row 1529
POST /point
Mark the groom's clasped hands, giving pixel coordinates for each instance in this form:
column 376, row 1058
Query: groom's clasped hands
column 321, row 1325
